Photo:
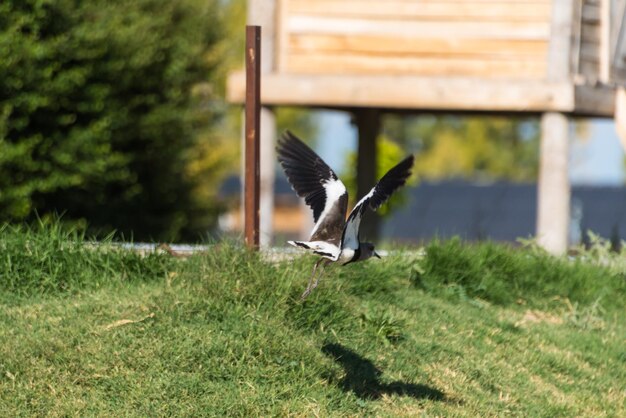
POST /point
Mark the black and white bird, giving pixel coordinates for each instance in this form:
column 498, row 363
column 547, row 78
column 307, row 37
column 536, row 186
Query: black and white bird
column 333, row 237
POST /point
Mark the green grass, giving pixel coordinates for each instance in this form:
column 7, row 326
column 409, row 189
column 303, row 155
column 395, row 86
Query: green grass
column 465, row 330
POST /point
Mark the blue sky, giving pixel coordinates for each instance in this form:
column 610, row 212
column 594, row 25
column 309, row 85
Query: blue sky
column 596, row 158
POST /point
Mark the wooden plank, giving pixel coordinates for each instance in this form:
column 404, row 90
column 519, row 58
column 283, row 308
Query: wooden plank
column 619, row 75
column 410, row 92
column 368, row 3
column 590, row 51
column 448, row 10
column 590, row 70
column 283, row 34
column 336, row 63
column 576, row 27
column 618, row 15
column 617, row 43
column 390, row 45
column 444, row 29
column 590, row 33
column 591, row 13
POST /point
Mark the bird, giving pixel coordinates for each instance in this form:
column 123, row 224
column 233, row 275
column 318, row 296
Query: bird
column 334, row 238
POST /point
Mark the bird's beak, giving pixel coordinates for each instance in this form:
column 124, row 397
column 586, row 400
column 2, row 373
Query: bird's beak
column 377, row 255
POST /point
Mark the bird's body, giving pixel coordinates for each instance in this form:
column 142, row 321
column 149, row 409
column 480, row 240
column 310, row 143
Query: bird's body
column 333, row 238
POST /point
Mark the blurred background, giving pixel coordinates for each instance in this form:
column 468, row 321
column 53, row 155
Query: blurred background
column 125, row 116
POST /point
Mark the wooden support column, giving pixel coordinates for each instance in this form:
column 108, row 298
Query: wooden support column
column 368, row 125
column 553, row 188
column 268, row 162
column 553, row 191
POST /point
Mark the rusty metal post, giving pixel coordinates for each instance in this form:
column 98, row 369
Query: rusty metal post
column 252, row 143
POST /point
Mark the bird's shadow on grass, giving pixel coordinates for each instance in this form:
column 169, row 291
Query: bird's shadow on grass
column 363, row 378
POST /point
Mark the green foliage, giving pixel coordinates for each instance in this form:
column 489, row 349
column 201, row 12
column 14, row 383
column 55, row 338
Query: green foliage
column 48, row 258
column 101, row 113
column 223, row 333
column 470, row 147
column 389, row 154
column 604, row 252
column 503, row 275
column 298, row 120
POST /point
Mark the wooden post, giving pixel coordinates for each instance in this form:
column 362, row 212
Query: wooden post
column 252, row 144
column 553, row 194
column 368, row 125
column 264, row 13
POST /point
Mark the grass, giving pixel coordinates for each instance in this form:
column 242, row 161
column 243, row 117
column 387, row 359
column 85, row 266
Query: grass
column 464, row 330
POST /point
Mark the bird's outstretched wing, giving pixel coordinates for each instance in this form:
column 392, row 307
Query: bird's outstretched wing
column 318, row 184
column 385, row 187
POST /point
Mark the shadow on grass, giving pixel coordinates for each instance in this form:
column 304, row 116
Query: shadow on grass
column 363, row 378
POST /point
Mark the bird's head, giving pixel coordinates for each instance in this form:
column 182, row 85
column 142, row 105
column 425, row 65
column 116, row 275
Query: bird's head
column 368, row 251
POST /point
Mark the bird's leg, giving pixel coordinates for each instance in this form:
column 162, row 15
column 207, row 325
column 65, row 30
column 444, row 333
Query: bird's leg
column 319, row 276
column 312, row 284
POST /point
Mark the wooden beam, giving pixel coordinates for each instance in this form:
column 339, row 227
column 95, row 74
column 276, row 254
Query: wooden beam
column 553, row 191
column 252, row 151
column 425, row 10
column 406, row 45
column 346, row 62
column 410, row 92
column 463, row 29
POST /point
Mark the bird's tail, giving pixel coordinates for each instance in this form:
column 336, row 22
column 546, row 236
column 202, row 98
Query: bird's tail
column 322, row 248
column 302, row 244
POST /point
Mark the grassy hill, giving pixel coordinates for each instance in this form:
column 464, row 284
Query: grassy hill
column 460, row 330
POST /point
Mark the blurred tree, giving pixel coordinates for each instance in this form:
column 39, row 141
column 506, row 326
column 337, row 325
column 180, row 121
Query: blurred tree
column 301, row 121
column 475, row 147
column 389, row 154
column 103, row 115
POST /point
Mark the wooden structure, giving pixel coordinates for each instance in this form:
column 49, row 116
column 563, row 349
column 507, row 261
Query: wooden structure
column 554, row 58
